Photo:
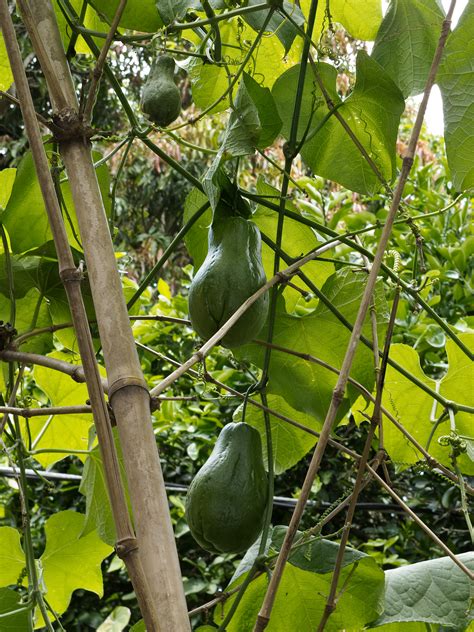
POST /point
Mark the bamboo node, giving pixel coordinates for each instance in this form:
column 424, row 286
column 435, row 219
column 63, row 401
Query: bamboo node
column 123, row 382
column 125, row 546
column 71, row 275
column 67, row 126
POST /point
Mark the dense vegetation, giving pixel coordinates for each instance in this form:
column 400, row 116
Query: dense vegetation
column 242, row 154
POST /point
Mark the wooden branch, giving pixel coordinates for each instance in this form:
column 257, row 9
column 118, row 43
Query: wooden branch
column 374, row 424
column 46, row 411
column 266, row 609
column 217, row 337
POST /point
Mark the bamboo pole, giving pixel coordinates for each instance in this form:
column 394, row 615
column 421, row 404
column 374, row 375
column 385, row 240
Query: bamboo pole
column 128, row 393
column 71, row 277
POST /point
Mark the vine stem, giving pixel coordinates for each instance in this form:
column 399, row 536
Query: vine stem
column 338, row 393
column 99, row 67
column 217, row 337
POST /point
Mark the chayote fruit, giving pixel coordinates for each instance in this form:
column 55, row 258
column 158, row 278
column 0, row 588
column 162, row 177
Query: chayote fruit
column 231, row 272
column 161, row 99
column 226, row 501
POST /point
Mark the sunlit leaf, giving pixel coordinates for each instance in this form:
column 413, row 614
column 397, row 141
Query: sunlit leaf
column 7, row 178
column 372, row 112
column 6, row 76
column 406, row 42
column 417, row 411
column 12, row 558
column 70, row 561
column 456, row 82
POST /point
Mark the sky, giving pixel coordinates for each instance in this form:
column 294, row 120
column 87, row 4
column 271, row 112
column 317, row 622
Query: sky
column 434, row 112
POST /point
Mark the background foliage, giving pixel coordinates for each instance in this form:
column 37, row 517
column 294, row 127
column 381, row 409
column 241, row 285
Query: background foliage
column 147, row 202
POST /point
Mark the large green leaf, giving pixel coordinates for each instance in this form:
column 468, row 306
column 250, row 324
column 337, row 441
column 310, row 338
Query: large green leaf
column 302, row 595
column 406, row 42
column 372, row 111
column 456, row 82
column 416, row 410
column 10, row 602
column 68, row 432
column 70, row 561
column 12, row 558
column 361, row 18
column 436, row 591
column 306, row 386
column 26, row 208
column 6, row 76
column 139, row 15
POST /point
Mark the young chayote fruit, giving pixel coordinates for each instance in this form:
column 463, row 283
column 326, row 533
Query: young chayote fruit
column 231, row 272
column 226, row 501
column 161, row 99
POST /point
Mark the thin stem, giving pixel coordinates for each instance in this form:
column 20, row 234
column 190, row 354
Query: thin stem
column 374, row 424
column 464, row 502
column 46, row 411
column 15, row 101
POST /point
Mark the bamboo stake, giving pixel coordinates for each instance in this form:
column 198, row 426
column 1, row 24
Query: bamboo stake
column 71, row 277
column 338, row 393
column 127, row 389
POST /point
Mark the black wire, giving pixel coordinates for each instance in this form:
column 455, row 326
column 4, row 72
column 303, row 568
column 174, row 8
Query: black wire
column 278, row 501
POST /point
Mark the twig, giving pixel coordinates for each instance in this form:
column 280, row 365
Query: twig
column 46, row 411
column 215, row 339
column 266, row 609
column 99, row 67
